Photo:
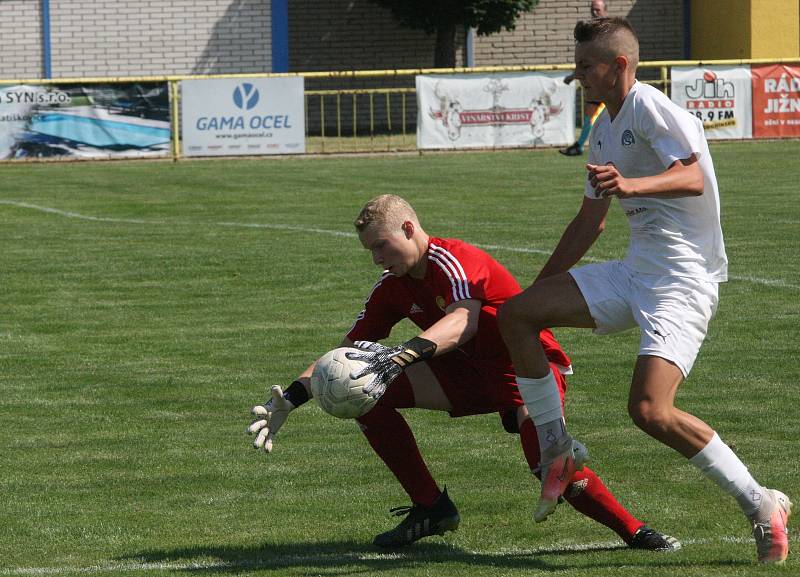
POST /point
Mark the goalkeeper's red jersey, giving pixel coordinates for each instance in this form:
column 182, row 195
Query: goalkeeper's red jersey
column 456, row 271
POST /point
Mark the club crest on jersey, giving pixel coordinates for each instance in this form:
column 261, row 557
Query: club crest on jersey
column 440, row 302
column 627, row 138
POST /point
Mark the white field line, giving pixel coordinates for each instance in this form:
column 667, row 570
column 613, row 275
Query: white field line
column 75, row 214
column 778, row 283
column 333, row 558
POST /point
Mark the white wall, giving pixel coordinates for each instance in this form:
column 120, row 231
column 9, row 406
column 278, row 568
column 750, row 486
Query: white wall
column 137, row 38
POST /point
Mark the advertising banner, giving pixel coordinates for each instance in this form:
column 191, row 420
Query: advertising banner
column 720, row 96
column 222, row 117
column 776, row 101
column 476, row 111
column 98, row 121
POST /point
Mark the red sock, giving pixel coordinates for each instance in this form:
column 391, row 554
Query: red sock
column 587, row 493
column 530, row 443
column 391, row 438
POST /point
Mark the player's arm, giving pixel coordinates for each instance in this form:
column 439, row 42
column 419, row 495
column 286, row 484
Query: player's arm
column 457, row 326
column 271, row 416
column 682, row 178
column 376, row 319
column 299, row 392
column 578, row 237
column 304, row 380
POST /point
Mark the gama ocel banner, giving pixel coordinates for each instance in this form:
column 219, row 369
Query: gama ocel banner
column 476, row 111
column 222, row 117
column 97, row 121
column 720, row 96
column 776, row 101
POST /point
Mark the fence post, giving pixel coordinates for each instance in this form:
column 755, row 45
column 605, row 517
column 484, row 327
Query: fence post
column 176, row 125
column 322, row 119
column 389, row 120
column 339, row 119
column 355, row 120
column 372, row 119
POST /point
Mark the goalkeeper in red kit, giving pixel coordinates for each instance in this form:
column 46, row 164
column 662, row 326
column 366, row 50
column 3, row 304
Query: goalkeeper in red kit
column 459, row 363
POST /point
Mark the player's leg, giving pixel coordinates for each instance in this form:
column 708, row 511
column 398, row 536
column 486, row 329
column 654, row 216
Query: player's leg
column 432, row 512
column 392, row 440
column 551, row 302
column 588, row 494
column 591, row 111
column 651, row 405
column 672, row 332
column 428, row 392
column 576, row 148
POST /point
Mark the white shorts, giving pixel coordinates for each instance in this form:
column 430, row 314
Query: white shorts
column 672, row 312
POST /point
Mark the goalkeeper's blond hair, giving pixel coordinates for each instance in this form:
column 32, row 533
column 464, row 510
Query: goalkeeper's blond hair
column 386, row 211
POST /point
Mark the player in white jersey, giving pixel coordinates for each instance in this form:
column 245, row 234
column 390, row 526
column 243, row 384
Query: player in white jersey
column 653, row 157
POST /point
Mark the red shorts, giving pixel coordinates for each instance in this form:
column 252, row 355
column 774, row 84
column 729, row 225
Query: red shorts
column 473, row 387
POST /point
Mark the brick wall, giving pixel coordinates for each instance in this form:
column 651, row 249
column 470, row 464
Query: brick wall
column 136, row 38
column 659, row 24
column 355, row 35
column 358, row 35
column 157, row 37
column 544, row 36
column 21, row 31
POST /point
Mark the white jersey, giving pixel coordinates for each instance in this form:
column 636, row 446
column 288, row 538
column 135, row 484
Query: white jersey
column 669, row 236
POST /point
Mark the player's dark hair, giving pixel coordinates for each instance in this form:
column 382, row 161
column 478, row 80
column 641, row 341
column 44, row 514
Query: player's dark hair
column 598, row 28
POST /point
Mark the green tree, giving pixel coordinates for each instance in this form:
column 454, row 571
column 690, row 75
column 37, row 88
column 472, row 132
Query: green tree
column 445, row 17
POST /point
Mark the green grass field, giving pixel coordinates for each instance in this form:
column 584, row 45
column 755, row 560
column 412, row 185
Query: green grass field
column 146, row 306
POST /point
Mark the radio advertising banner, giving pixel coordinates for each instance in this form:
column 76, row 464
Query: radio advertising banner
column 222, row 117
column 720, row 96
column 776, row 101
column 98, row 121
column 471, row 111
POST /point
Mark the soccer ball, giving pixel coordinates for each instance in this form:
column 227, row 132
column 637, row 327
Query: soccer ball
column 335, row 392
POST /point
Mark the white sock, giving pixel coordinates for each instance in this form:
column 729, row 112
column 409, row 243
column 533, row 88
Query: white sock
column 543, row 401
column 718, row 462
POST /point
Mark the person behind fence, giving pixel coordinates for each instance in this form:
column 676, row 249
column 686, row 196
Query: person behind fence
column 651, row 155
column 451, row 291
column 591, row 108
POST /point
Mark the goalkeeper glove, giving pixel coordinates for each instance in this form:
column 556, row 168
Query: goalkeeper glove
column 388, row 362
column 271, row 416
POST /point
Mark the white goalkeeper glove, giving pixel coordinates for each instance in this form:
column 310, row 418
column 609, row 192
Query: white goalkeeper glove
column 388, row 362
column 270, row 417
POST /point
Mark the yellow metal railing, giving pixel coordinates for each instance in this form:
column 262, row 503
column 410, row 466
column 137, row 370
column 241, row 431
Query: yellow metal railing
column 369, row 126
column 370, row 117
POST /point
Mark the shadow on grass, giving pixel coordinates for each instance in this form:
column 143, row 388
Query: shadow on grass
column 353, row 558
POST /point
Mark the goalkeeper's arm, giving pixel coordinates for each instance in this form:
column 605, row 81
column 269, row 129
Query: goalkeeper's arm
column 271, row 416
column 456, row 327
column 299, row 392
